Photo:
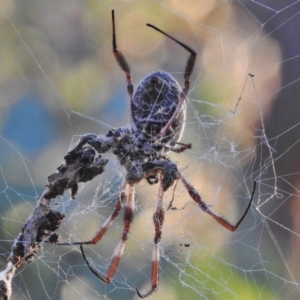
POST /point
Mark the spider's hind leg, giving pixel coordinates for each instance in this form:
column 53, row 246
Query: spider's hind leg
column 180, row 149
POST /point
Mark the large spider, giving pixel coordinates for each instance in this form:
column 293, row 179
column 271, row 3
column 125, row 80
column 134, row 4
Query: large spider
column 157, row 121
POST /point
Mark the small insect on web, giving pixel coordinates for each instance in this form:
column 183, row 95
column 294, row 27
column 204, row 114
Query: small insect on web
column 157, row 122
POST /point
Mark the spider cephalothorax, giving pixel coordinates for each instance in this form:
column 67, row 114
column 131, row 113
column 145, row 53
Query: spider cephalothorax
column 158, row 117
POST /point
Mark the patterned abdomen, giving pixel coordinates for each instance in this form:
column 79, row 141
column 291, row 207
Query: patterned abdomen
column 154, row 103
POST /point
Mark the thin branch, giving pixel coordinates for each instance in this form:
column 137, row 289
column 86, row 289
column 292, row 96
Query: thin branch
column 44, row 221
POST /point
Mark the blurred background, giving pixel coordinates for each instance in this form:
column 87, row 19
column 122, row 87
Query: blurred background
column 59, row 80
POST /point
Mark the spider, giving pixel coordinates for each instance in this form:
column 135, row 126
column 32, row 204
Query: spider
column 157, row 122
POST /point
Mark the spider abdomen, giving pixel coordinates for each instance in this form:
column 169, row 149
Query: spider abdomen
column 153, row 105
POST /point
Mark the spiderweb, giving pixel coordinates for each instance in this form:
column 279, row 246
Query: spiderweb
column 59, row 80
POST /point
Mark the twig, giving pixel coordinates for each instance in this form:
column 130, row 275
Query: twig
column 44, row 221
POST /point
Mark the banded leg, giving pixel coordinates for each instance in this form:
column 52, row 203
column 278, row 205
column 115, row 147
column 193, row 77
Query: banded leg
column 107, row 223
column 180, row 149
column 187, row 75
column 197, row 198
column 128, row 217
column 158, row 219
column 121, row 60
column 171, row 173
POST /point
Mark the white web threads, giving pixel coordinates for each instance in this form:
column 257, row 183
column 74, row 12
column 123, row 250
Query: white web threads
column 228, row 150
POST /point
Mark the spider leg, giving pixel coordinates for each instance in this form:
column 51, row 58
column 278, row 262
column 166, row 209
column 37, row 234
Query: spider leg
column 171, row 173
column 197, row 198
column 182, row 147
column 158, row 219
column 128, row 217
column 121, row 59
column 187, row 75
column 107, row 223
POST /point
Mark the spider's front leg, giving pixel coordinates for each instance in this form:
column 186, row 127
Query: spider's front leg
column 126, row 198
column 171, row 173
column 158, row 219
column 167, row 173
column 221, row 220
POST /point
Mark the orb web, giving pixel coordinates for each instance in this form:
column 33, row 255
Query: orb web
column 59, row 80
